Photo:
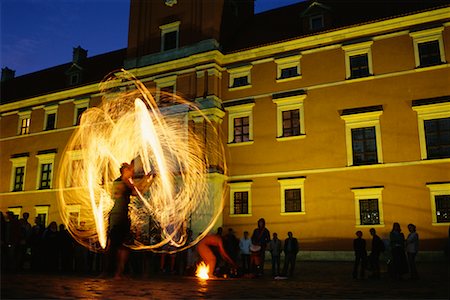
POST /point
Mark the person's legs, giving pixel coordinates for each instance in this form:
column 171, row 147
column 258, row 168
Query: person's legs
column 122, row 257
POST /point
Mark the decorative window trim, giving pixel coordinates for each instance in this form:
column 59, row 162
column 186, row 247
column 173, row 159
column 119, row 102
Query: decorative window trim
column 357, row 49
column 242, row 186
column 429, row 112
column 16, row 210
column 52, row 109
column 368, row 193
column 429, row 35
column 23, row 115
column 81, row 103
column 16, row 163
column 240, row 111
column 437, row 189
column 168, row 81
column 166, row 28
column 42, row 209
column 48, row 158
column 290, row 103
column 240, row 72
column 292, row 183
column 360, row 120
column 71, row 208
column 288, row 62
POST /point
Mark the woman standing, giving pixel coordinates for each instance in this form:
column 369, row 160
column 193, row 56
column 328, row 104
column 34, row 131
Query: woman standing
column 412, row 247
column 397, row 243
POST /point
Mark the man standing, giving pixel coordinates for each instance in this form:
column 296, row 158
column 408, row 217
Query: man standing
column 290, row 254
column 275, row 251
column 377, row 248
column 359, row 246
column 244, row 246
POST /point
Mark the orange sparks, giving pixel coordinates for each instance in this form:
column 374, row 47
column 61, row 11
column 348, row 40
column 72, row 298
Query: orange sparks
column 202, row 271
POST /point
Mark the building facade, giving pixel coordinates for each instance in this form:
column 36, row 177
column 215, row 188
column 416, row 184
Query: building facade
column 335, row 117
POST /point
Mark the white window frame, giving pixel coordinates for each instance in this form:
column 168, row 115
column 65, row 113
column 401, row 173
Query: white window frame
column 364, row 194
column 357, row 49
column 42, row 209
column 240, row 72
column 74, row 208
column 245, row 186
column 81, row 103
column 18, row 162
column 429, row 35
column 48, row 158
column 290, row 103
column 437, row 189
column 429, row 112
column 52, row 109
column 288, row 62
column 167, row 28
column 361, row 120
column 22, row 116
column 163, row 82
column 292, row 183
column 240, row 111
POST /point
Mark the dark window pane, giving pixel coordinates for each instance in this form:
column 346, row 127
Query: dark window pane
column 442, row 208
column 80, row 111
column 437, row 136
column 46, row 171
column 241, row 130
column 369, row 212
column 289, row 72
column 240, row 203
column 51, row 120
column 316, row 22
column 359, row 66
column 18, row 178
column 429, row 53
column 292, row 200
column 291, row 122
column 240, row 81
column 364, row 146
column 170, row 40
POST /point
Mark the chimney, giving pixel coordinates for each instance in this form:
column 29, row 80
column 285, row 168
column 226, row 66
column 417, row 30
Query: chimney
column 7, row 74
column 79, row 54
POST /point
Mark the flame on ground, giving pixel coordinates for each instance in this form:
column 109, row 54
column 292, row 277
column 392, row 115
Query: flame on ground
column 202, row 271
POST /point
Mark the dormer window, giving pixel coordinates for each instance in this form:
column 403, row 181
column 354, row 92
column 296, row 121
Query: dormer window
column 170, row 36
column 316, row 22
column 74, row 79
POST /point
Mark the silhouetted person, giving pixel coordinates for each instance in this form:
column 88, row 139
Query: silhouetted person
column 397, row 245
column 36, row 245
column 260, row 237
column 24, row 242
column 12, row 238
column 231, row 244
column 50, row 242
column 291, row 249
column 412, row 247
column 275, row 252
column 66, row 249
column 377, row 248
column 359, row 247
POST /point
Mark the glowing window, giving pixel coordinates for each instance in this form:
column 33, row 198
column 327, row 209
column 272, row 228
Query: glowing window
column 368, row 206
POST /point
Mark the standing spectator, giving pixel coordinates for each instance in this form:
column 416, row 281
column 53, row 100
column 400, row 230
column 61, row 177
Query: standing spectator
column 50, row 242
column 291, row 249
column 260, row 238
column 12, row 238
column 275, row 251
column 244, row 246
column 374, row 258
column 359, row 247
column 397, row 245
column 66, row 249
column 231, row 244
column 36, row 245
column 412, row 247
column 24, row 242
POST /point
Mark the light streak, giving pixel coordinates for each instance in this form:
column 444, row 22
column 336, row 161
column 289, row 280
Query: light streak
column 130, row 125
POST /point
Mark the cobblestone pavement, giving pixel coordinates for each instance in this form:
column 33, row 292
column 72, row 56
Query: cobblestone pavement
column 313, row 280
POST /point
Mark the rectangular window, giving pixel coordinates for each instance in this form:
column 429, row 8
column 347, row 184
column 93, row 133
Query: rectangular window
column 369, row 212
column 289, row 72
column 316, row 22
column 51, row 120
column 293, row 201
column 240, row 203
column 46, row 176
column 359, row 66
column 429, row 54
column 291, row 122
column 170, row 40
column 364, row 146
column 25, row 126
column 442, row 208
column 240, row 81
column 241, row 130
column 80, row 111
column 18, row 178
column 437, row 137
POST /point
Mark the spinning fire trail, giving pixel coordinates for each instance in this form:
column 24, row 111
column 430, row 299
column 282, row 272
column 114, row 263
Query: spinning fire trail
column 129, row 126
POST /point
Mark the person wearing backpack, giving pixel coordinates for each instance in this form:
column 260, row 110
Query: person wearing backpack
column 374, row 257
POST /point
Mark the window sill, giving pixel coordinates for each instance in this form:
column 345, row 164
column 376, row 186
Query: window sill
column 239, row 215
column 278, row 80
column 291, row 138
column 440, row 224
column 357, row 79
column 240, row 144
column 292, row 213
column 433, row 67
column 370, row 226
column 237, row 88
